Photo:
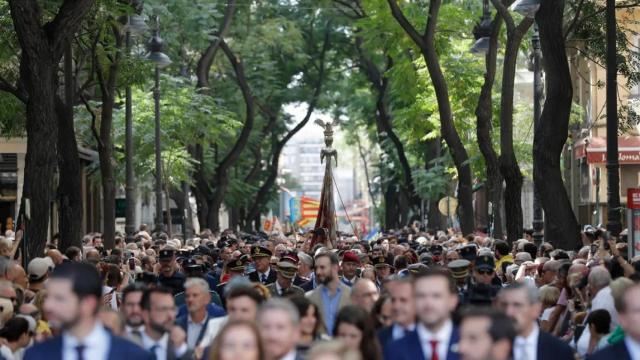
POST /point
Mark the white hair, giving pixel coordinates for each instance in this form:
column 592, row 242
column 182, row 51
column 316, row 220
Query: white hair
column 197, row 282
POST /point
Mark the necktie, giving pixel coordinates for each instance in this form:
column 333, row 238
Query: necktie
column 80, row 351
column 434, row 349
column 264, row 278
column 136, row 336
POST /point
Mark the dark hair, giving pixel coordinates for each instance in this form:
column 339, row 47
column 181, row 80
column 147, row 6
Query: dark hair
column 244, row 290
column 112, row 275
column 531, row 248
column 85, row 280
column 601, row 319
column 145, row 302
column 14, row 329
column 501, row 326
column 72, row 252
column 369, row 345
column 135, row 287
column 303, row 304
column 377, row 309
column 501, row 246
column 400, row 262
column 333, row 257
column 438, row 271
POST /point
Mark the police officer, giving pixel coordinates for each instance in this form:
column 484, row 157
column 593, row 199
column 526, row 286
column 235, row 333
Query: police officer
column 169, row 275
column 460, row 271
column 482, row 290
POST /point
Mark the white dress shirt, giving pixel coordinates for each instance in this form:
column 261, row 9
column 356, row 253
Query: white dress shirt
column 194, row 329
column 442, row 336
column 527, row 348
column 96, row 345
column 633, row 347
column 602, row 300
column 398, row 331
column 162, row 346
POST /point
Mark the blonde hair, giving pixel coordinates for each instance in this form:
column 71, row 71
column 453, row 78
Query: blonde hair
column 335, row 347
column 549, row 295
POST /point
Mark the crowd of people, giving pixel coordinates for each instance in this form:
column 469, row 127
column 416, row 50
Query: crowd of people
column 410, row 294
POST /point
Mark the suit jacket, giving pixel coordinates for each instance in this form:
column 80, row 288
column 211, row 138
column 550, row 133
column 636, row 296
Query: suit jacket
column 299, row 281
column 409, row 348
column 616, row 352
column 385, row 336
column 171, row 353
column 255, row 277
column 292, row 291
column 315, row 296
column 307, row 286
column 183, row 322
column 552, row 348
column 119, row 349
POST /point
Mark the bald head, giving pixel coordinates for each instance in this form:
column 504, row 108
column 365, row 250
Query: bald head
column 56, row 256
column 364, row 294
column 17, row 275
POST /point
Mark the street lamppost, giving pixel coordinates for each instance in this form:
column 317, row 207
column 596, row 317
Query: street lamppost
column 161, row 60
column 482, row 31
column 613, row 176
column 135, row 25
column 538, row 219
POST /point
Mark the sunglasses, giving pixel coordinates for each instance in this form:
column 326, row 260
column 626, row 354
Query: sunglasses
column 485, row 272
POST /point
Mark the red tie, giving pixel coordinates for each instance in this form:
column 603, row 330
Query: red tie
column 434, row 349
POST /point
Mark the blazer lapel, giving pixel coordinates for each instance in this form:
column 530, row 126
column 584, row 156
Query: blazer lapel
column 414, row 346
column 452, row 352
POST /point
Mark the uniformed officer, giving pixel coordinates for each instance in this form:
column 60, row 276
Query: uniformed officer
column 482, row 291
column 169, row 274
column 262, row 260
column 460, row 271
column 234, row 268
column 287, row 268
column 469, row 252
column 383, row 269
column 349, row 266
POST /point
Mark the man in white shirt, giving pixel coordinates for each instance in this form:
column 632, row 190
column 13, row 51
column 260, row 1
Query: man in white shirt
column 278, row 321
column 521, row 302
column 403, row 311
column 132, row 312
column 161, row 336
column 195, row 322
column 74, row 296
column 598, row 282
column 629, row 316
column 436, row 297
column 486, row 333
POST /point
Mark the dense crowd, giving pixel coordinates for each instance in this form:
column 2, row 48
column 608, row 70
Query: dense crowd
column 410, row 294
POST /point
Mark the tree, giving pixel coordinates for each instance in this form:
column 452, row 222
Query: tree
column 553, row 128
column 42, row 46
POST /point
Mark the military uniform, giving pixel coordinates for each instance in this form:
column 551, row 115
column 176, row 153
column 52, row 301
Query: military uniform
column 460, row 271
column 175, row 282
column 235, row 267
column 260, row 251
column 287, row 269
column 482, row 294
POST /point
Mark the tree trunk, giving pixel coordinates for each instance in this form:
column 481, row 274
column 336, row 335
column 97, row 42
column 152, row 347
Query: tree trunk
column 167, row 196
column 105, row 141
column 222, row 170
column 551, row 133
column 508, row 162
column 70, row 184
column 42, row 47
column 427, row 46
column 484, row 115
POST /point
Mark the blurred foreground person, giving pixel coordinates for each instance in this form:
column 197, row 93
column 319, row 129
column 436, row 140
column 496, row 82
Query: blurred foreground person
column 354, row 326
column 333, row 350
column 279, row 323
column 74, row 298
column 486, row 334
column 237, row 341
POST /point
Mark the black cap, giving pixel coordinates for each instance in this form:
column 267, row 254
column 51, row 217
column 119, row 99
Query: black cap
column 260, row 251
column 469, row 252
column 381, row 261
column 166, row 253
column 485, row 262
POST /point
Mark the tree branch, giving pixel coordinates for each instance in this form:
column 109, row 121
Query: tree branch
column 505, row 15
column 14, row 90
column 405, row 24
column 94, row 117
column 206, row 60
column 68, row 19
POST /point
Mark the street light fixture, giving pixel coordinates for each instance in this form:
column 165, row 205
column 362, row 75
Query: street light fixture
column 538, row 216
column 482, row 31
column 526, row 8
column 156, row 45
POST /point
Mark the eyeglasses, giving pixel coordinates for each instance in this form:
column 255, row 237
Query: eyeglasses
column 485, row 272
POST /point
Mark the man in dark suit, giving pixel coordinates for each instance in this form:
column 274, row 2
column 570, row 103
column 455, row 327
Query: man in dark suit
column 403, row 312
column 74, row 298
column 522, row 303
column 629, row 318
column 262, row 260
column 287, row 268
column 161, row 336
column 435, row 337
column 279, row 324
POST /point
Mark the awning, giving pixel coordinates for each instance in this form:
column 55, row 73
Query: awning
column 595, row 150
